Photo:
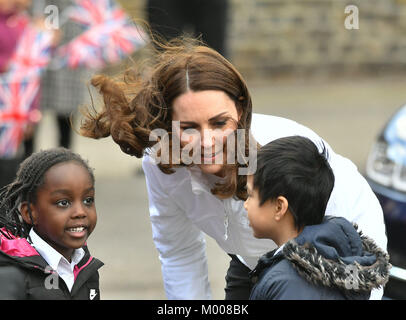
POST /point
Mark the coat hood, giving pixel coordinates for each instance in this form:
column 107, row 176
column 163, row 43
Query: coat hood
column 334, row 254
column 18, row 251
column 15, row 246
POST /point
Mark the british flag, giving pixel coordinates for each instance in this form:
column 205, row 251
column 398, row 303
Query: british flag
column 110, row 35
column 16, row 99
column 19, row 87
column 95, row 12
column 33, row 52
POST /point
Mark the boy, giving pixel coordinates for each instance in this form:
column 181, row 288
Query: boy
column 318, row 257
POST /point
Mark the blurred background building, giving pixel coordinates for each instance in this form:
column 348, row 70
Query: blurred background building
column 269, row 38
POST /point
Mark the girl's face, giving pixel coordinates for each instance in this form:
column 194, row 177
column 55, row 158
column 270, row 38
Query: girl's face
column 212, row 115
column 64, row 214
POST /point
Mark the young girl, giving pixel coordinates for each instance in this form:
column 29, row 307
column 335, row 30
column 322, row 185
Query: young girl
column 46, row 216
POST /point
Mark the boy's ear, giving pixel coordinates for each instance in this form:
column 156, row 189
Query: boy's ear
column 281, row 206
column 26, row 214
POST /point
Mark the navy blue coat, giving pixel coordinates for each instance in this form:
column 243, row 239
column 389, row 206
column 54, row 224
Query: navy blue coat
column 329, row 261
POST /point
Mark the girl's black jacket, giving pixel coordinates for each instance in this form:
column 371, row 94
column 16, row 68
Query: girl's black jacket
column 25, row 275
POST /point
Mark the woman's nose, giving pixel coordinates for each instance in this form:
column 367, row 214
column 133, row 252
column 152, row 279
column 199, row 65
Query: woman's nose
column 207, row 139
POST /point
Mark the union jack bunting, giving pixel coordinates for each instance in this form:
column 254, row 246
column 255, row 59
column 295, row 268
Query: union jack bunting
column 110, row 35
column 16, row 100
column 19, row 87
column 33, row 52
column 95, row 12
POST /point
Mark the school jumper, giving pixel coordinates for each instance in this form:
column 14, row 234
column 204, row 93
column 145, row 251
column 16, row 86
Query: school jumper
column 25, row 275
column 182, row 209
column 327, row 261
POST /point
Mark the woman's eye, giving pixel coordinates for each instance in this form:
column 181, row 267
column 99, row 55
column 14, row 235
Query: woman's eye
column 89, row 201
column 220, row 123
column 62, row 203
column 187, row 128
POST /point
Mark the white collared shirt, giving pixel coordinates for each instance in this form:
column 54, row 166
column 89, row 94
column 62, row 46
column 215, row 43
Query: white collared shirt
column 182, row 207
column 55, row 260
column 278, row 250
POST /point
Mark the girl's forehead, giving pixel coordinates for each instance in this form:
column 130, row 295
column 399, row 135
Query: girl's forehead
column 63, row 172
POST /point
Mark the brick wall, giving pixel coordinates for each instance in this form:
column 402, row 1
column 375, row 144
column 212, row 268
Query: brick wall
column 284, row 36
column 288, row 35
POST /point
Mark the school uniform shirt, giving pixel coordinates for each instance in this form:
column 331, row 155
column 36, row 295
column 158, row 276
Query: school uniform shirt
column 278, row 250
column 56, row 261
column 182, row 209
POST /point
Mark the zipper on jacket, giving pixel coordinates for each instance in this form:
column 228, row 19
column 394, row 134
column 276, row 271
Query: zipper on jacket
column 92, row 266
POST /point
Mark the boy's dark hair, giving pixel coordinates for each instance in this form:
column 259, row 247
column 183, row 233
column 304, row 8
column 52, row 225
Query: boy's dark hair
column 294, row 168
column 30, row 176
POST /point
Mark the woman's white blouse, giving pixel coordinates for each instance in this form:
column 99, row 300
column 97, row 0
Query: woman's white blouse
column 182, row 208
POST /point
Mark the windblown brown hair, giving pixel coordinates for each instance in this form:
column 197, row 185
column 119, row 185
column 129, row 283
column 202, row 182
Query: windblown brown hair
column 141, row 103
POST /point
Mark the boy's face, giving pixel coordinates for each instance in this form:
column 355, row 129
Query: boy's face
column 262, row 218
column 64, row 214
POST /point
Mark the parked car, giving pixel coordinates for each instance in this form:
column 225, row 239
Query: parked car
column 386, row 174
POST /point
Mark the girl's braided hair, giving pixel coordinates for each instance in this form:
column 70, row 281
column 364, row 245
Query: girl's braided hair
column 30, row 176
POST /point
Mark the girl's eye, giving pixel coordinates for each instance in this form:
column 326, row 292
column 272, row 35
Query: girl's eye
column 88, row 201
column 63, row 203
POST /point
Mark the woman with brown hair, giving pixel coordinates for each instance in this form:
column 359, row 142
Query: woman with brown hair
column 182, row 117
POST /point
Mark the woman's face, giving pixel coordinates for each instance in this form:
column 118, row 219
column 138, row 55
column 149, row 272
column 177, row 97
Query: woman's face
column 206, row 118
